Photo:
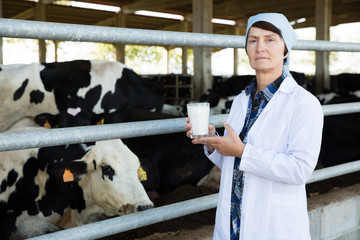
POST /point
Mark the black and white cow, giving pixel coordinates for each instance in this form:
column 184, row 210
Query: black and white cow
column 170, row 160
column 75, row 91
column 35, row 194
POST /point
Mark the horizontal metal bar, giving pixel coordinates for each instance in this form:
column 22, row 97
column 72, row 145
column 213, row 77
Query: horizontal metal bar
column 60, row 136
column 136, row 220
column 31, row 139
column 341, row 108
column 320, row 45
column 334, row 171
column 86, row 33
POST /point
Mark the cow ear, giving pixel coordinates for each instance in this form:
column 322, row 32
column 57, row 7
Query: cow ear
column 74, row 171
column 105, row 118
column 90, row 160
column 46, row 120
column 102, row 118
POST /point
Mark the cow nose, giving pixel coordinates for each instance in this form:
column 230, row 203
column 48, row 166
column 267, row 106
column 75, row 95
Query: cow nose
column 144, row 207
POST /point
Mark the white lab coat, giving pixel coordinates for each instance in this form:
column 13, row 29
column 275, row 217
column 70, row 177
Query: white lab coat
column 280, row 155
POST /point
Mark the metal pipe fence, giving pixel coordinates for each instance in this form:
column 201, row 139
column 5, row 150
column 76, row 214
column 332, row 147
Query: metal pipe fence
column 171, row 211
column 12, row 141
column 52, row 137
column 136, row 220
column 73, row 32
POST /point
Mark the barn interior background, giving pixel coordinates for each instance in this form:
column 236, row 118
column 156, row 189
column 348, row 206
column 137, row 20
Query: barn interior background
column 194, row 16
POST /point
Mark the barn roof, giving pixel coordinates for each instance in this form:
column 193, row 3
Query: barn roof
column 343, row 11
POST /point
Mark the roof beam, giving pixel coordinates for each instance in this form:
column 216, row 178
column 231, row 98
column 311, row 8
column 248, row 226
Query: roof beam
column 107, row 22
column 27, row 14
column 174, row 27
column 153, row 5
column 234, row 8
column 46, row 1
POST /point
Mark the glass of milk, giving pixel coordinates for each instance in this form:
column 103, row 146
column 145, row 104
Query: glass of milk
column 198, row 114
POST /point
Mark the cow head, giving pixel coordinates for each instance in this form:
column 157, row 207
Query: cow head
column 111, row 182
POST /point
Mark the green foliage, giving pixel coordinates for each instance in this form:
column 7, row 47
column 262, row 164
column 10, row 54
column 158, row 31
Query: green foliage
column 150, row 54
column 104, row 51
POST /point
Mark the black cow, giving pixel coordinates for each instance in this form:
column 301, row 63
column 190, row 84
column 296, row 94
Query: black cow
column 345, row 82
column 340, row 142
column 170, row 160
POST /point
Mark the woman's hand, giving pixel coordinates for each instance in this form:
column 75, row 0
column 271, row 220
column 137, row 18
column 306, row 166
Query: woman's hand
column 189, row 133
column 230, row 145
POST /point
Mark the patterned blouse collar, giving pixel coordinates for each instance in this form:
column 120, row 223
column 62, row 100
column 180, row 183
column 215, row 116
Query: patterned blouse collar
column 269, row 91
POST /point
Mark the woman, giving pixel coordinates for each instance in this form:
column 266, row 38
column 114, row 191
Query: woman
column 271, row 143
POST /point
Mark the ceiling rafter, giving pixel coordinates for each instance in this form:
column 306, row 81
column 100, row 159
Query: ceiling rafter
column 234, row 9
column 26, row 14
column 153, row 5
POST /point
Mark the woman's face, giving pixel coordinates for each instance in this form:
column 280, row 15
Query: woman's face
column 265, row 50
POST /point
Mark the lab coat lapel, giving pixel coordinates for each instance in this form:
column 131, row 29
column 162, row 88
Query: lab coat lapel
column 287, row 86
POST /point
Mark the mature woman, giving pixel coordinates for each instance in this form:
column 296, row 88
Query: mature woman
column 271, row 143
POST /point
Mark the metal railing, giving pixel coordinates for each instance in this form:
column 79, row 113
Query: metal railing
column 136, row 220
column 125, row 130
column 53, row 137
column 140, row 219
column 73, row 32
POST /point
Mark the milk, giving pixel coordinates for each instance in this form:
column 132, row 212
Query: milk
column 198, row 114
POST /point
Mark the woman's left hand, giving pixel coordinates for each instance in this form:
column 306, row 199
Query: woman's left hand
column 230, row 145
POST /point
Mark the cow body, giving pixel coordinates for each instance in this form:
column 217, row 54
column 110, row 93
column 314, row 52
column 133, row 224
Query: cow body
column 34, row 196
column 78, row 88
column 21, row 92
column 170, row 160
column 340, row 132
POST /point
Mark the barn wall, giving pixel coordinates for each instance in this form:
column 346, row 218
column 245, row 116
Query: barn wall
column 336, row 215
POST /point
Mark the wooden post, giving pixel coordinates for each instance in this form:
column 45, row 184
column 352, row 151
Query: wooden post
column 1, row 39
column 120, row 48
column 184, row 55
column 167, row 60
column 56, row 45
column 202, row 15
column 236, row 52
column 40, row 16
column 323, row 23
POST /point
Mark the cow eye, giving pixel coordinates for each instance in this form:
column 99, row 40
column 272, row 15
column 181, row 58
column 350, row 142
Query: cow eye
column 107, row 171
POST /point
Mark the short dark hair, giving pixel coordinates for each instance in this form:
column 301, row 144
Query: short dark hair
column 268, row 26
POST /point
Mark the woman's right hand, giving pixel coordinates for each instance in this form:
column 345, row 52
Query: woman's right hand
column 212, row 131
column 188, row 128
